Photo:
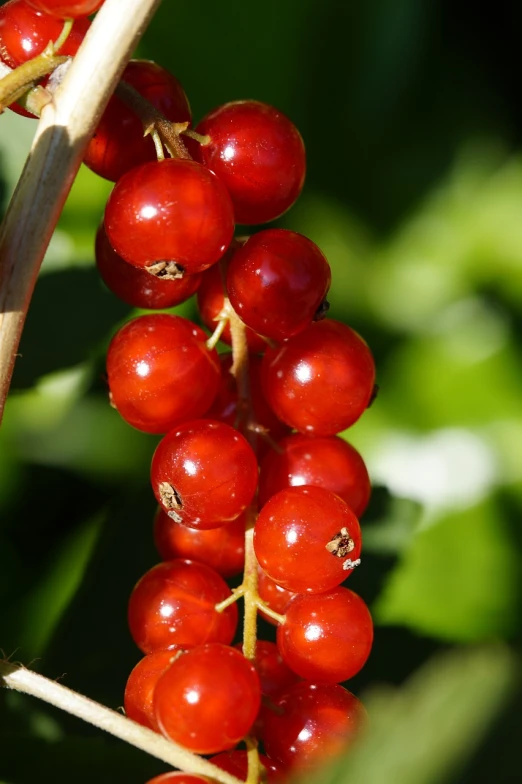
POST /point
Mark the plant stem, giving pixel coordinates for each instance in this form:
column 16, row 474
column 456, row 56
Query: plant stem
column 61, row 138
column 21, row 79
column 14, row 676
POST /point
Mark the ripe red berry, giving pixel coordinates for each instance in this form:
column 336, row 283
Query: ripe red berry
column 236, row 763
column 276, row 282
column 136, row 286
column 310, row 723
column 274, row 675
column 221, row 548
column 118, row 143
column 139, row 691
column 208, row 699
column 174, row 605
column 26, row 32
column 320, row 381
column 328, row 462
column 326, row 637
column 259, row 154
column 172, row 217
column 161, row 372
column 307, row 539
column 66, row 10
column 204, row 473
column 273, row 595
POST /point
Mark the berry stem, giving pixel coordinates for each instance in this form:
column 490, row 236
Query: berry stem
column 33, row 99
column 18, row 678
column 237, row 593
column 61, row 138
column 277, row 617
column 20, row 80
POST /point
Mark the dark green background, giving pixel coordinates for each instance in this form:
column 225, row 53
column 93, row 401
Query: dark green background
column 410, row 111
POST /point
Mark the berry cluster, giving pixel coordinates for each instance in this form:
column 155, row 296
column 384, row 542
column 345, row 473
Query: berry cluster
column 250, row 474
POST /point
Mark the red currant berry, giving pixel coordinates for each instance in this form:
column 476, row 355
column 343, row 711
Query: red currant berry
column 161, row 372
column 66, row 10
column 236, row 763
column 274, row 675
column 277, row 281
column 118, row 143
column 221, row 548
column 311, row 723
column 328, row 462
column 172, row 217
column 320, row 381
column 174, row 605
column 176, row 777
column 25, row 33
column 272, row 595
column 141, row 683
column 204, row 474
column 136, row 286
column 208, row 699
column 307, row 539
column 326, row 637
column 260, row 156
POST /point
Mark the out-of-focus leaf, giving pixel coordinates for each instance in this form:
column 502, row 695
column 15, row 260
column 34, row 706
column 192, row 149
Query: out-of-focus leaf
column 426, row 730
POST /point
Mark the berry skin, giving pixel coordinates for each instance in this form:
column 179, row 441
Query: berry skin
column 260, row 156
column 277, row 281
column 139, row 691
column 320, row 381
column 25, row 33
column 328, row 462
column 306, row 539
column 172, row 217
column 208, row 699
column 326, row 637
column 135, row 286
column 221, row 548
column 66, row 10
column 274, row 675
column 173, row 605
column 118, row 143
column 161, row 372
column 236, row 763
column 176, row 777
column 273, row 595
column 311, row 723
column 204, row 474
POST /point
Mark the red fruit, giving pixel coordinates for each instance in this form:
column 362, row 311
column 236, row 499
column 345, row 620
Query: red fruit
column 172, row 217
column 273, row 595
column 274, row 675
column 236, row 763
column 221, row 548
column 141, row 683
column 208, row 699
column 310, row 723
column 66, row 10
column 277, row 281
column 320, row 381
column 178, row 778
column 138, row 287
column 326, row 637
column 328, row 462
column 118, row 143
column 204, row 474
column 25, row 33
column 161, row 372
column 307, row 539
column 211, row 299
column 259, row 154
column 173, row 605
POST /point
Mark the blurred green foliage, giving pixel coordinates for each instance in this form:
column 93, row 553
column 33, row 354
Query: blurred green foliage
column 411, row 115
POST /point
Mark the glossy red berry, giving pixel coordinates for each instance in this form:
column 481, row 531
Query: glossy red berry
column 139, row 691
column 272, row 595
column 236, row 763
column 307, row 539
column 174, row 605
column 67, row 10
column 204, row 473
column 136, row 286
column 274, row 675
column 208, row 699
column 161, row 372
column 118, row 143
column 221, row 548
column 26, row 32
column 326, row 637
column 320, row 381
column 259, row 154
column 310, row 723
column 172, row 217
column 328, row 462
column 277, row 281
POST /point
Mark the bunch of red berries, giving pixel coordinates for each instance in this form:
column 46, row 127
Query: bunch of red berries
column 237, row 489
